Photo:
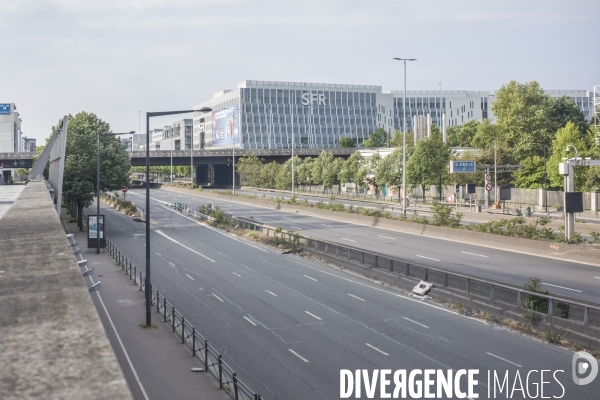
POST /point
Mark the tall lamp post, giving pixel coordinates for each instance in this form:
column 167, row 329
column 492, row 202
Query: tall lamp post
column 98, row 187
column 545, row 175
column 404, row 136
column 148, row 284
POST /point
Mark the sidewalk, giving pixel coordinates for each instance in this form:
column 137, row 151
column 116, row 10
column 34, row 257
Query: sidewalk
column 155, row 364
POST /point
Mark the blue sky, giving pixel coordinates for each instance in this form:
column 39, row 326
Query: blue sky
column 115, row 58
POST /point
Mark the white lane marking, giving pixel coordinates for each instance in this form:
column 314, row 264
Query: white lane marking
column 597, row 277
column 190, row 277
column 429, row 258
column 369, row 285
column 122, row 346
column 211, row 228
column 157, row 253
column 298, row 355
column 249, row 320
column 237, row 274
column 270, row 293
column 351, row 295
column 375, row 348
column 139, row 234
column 387, row 237
column 184, row 246
column 172, row 265
column 329, row 226
column 562, row 287
column 258, row 219
column 295, row 227
column 473, row 254
column 287, row 217
column 306, row 276
column 415, row 322
column 504, row 359
column 350, row 240
column 218, row 298
column 313, row 315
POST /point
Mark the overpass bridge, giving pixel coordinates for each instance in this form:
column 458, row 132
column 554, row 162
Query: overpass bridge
column 212, row 157
column 212, row 167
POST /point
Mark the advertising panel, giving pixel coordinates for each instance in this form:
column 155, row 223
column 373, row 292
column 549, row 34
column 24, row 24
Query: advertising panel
column 93, row 228
column 5, row 108
column 225, row 126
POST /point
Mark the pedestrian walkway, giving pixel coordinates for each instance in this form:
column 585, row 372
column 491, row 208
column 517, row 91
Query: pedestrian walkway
column 8, row 195
column 155, row 364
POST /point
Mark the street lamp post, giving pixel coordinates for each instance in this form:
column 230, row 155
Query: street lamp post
column 148, row 284
column 404, row 136
column 545, row 175
column 98, row 187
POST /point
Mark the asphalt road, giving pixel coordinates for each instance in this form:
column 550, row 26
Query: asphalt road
column 288, row 325
column 570, row 279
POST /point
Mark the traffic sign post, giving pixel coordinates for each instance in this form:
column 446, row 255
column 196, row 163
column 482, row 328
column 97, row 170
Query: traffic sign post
column 124, row 190
column 488, row 187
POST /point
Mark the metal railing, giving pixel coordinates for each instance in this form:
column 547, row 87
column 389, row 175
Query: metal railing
column 473, row 287
column 187, row 333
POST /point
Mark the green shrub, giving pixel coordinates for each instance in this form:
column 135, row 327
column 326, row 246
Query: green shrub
column 532, row 302
column 442, row 215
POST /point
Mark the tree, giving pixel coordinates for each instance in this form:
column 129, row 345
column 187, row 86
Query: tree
column 368, row 171
column 389, row 171
column 346, row 142
column 562, row 110
column 284, row 175
column 486, row 134
column 396, row 140
column 268, row 174
column 320, row 165
column 379, row 138
column 428, row 162
column 304, row 173
column 249, row 169
column 533, row 175
column 522, row 112
column 569, row 135
column 352, row 170
column 79, row 179
column 331, row 171
column 462, row 136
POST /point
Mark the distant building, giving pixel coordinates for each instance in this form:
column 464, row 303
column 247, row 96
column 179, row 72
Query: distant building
column 28, row 145
column 265, row 114
column 10, row 129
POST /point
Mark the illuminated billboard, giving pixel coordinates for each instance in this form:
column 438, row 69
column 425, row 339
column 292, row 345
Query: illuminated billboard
column 226, row 126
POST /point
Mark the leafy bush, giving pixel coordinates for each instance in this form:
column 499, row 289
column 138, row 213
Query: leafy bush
column 442, row 215
column 532, row 302
column 416, row 218
column 595, row 237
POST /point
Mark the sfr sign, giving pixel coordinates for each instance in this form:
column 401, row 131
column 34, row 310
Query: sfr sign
column 312, row 98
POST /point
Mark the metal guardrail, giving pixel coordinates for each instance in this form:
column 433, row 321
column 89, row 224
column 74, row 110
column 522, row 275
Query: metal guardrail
column 187, row 333
column 574, row 311
column 585, row 315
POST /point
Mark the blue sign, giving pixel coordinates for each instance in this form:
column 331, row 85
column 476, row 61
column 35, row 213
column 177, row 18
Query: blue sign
column 4, row 108
column 464, row 167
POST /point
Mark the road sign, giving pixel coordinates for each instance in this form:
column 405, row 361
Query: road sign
column 12, row 163
column 462, row 167
column 488, row 177
column 488, row 187
column 450, row 198
column 124, row 190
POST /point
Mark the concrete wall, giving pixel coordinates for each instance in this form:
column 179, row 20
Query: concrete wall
column 53, row 344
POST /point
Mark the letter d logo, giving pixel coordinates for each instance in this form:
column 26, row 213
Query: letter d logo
column 584, row 363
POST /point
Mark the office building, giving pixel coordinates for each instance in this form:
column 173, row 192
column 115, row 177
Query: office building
column 265, row 114
column 10, row 129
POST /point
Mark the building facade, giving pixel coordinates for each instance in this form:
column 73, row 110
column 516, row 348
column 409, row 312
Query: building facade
column 28, row 144
column 272, row 115
column 265, row 115
column 10, row 129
